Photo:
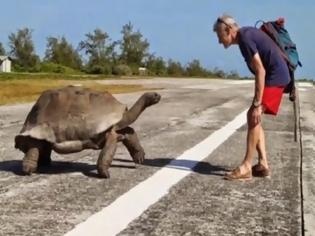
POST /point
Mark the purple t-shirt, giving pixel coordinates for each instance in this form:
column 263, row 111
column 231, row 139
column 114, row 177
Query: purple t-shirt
column 253, row 40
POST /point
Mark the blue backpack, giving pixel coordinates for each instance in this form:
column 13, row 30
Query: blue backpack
column 276, row 31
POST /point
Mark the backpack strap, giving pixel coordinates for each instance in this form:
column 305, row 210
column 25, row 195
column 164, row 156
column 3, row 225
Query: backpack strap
column 258, row 22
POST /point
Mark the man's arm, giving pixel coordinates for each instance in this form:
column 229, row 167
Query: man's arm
column 260, row 73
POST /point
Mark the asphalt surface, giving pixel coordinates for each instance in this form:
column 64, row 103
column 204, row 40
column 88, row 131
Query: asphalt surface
column 56, row 199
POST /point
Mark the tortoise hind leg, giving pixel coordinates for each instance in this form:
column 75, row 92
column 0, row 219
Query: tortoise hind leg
column 106, row 156
column 31, row 157
column 132, row 144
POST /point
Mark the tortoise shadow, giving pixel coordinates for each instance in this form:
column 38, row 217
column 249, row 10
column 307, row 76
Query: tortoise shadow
column 13, row 166
column 200, row 167
column 57, row 167
column 62, row 167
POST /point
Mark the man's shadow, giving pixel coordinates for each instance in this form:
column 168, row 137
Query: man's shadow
column 200, row 167
column 62, row 167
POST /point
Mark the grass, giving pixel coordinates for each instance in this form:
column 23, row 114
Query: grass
column 26, row 90
column 55, row 76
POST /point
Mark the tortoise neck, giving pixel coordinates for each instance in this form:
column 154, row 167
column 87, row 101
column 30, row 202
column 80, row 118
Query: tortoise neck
column 131, row 115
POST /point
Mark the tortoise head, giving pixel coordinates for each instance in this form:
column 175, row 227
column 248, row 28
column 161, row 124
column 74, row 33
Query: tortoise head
column 151, row 98
column 146, row 100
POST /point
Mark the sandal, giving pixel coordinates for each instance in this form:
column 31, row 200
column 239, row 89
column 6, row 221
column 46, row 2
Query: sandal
column 236, row 175
column 259, row 170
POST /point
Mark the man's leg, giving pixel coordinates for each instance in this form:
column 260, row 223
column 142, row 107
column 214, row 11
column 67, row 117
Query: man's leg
column 261, row 169
column 253, row 135
column 261, row 149
column 271, row 102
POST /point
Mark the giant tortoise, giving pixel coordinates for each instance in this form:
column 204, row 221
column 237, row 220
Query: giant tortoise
column 72, row 119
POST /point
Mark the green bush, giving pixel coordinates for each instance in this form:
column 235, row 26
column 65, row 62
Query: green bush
column 100, row 69
column 134, row 69
column 50, row 67
column 121, row 70
column 18, row 68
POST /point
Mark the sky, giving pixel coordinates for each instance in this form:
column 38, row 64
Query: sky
column 176, row 29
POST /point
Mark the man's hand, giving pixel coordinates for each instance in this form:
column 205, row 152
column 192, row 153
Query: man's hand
column 255, row 116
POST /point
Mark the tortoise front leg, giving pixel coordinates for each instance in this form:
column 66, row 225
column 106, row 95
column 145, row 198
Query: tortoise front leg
column 133, row 145
column 106, row 156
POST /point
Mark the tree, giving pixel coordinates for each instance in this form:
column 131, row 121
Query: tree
column 133, row 47
column 61, row 52
column 195, row 69
column 219, row 73
column 2, row 50
column 99, row 49
column 174, row 68
column 156, row 65
column 22, row 50
column 233, row 75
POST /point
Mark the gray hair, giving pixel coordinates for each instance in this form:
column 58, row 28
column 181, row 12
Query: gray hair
column 225, row 21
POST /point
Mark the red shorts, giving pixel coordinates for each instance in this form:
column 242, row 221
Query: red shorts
column 271, row 99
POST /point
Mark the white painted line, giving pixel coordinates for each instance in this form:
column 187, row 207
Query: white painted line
column 116, row 217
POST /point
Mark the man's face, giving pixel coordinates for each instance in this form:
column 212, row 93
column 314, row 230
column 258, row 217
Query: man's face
column 224, row 37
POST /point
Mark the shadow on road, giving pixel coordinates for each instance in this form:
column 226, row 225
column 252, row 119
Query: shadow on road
column 56, row 167
column 202, row 167
column 62, row 167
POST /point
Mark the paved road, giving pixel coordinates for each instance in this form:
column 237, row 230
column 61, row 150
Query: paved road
column 57, row 199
